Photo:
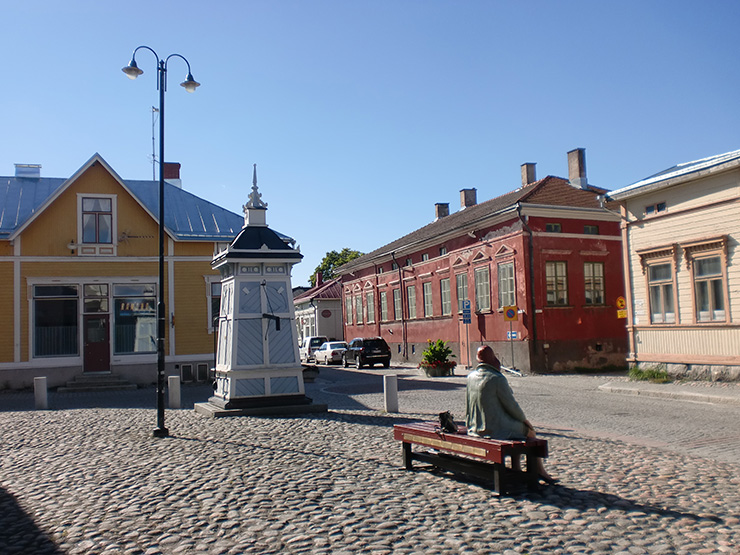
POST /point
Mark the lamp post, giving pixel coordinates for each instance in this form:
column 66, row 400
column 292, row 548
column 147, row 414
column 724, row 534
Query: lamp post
column 190, row 84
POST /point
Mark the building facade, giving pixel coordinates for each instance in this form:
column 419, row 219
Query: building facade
column 79, row 260
column 318, row 311
column 680, row 232
column 540, row 268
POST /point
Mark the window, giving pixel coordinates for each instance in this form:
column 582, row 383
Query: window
column 97, row 220
column 394, row 266
column 55, row 320
column 557, row 283
column 591, row 229
column 380, row 269
column 655, row 208
column 660, row 285
column 348, row 307
column 506, row 285
column 383, row 306
column 461, row 283
column 593, row 277
column 552, row 228
column 214, row 304
column 397, row 308
column 428, row 302
column 411, row 297
column 358, row 309
column 442, row 251
column 444, row 295
column 482, row 289
column 370, row 299
column 96, row 298
column 709, row 289
column 135, row 318
column 425, row 257
column 409, row 262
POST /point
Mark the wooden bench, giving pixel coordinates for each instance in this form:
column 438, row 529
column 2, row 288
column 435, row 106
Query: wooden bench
column 476, row 456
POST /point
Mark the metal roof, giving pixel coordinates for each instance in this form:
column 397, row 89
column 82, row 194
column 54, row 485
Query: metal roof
column 678, row 171
column 187, row 217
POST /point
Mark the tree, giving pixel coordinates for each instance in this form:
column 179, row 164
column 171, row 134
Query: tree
column 331, row 262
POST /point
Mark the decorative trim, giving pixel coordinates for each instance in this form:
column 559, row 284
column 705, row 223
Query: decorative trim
column 712, row 244
column 505, row 251
column 666, row 251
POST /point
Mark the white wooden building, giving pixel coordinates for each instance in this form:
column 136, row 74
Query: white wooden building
column 680, row 231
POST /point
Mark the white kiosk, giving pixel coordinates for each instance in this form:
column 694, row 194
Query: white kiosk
column 258, row 369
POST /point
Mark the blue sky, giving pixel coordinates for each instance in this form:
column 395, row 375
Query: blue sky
column 361, row 115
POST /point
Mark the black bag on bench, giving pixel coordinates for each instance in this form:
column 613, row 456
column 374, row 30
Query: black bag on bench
column 447, row 423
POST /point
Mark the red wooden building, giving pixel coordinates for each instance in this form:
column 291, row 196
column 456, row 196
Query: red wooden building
column 549, row 249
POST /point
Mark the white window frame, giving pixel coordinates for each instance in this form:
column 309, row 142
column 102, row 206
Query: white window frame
column 428, row 300
column 482, row 279
column 506, row 284
column 370, row 301
column 445, row 297
column 556, row 270
column 97, row 249
column 411, row 299
column 593, row 282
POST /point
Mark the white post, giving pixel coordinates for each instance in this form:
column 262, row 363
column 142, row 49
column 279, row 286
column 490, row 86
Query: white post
column 173, row 386
column 41, row 393
column 390, row 388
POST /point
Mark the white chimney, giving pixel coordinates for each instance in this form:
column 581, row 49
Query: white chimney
column 529, row 173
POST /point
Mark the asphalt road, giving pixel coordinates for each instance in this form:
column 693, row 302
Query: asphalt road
column 560, row 404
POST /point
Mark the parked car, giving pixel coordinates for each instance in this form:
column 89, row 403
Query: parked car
column 330, row 352
column 309, row 346
column 367, row 351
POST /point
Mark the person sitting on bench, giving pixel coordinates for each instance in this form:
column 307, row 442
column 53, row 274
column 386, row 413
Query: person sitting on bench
column 491, row 410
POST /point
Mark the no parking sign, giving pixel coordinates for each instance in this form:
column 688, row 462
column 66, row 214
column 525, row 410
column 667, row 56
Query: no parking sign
column 511, row 314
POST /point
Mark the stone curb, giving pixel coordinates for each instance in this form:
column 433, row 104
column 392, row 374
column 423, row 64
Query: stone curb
column 669, row 394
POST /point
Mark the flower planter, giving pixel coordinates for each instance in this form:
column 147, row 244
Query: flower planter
column 439, row 369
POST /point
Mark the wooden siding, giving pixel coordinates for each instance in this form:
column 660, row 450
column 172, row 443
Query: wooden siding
column 191, row 307
column 719, row 343
column 56, row 227
column 6, row 312
column 690, row 195
column 683, row 228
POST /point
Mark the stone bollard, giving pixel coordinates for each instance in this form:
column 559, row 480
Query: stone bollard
column 390, row 388
column 173, row 386
column 41, row 392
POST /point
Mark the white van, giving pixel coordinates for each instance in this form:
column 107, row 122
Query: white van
column 309, row 345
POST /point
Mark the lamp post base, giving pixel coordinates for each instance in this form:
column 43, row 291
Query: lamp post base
column 160, row 432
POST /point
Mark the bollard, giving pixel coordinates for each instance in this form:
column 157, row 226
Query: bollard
column 390, row 388
column 41, row 393
column 173, row 386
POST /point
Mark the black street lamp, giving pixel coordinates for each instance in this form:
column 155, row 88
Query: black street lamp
column 190, row 84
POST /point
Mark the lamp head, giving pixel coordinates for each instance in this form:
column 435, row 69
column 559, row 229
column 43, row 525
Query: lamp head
column 132, row 71
column 190, row 84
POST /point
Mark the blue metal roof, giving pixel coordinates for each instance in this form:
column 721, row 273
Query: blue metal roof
column 187, row 217
column 673, row 172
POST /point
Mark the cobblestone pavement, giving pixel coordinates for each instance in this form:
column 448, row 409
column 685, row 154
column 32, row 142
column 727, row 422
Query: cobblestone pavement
column 87, row 477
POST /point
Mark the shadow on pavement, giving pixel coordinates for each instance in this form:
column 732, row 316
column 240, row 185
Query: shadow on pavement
column 18, row 531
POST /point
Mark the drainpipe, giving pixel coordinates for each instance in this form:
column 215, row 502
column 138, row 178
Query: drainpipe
column 404, row 339
column 533, row 296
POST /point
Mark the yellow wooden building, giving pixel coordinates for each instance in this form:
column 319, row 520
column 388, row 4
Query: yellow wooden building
column 79, row 266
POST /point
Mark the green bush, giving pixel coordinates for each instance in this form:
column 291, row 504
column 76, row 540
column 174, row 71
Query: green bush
column 654, row 375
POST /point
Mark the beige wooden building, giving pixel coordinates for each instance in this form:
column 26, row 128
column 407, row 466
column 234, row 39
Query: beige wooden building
column 79, row 265
column 680, row 232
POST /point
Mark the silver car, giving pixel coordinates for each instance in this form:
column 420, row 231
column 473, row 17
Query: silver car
column 330, row 352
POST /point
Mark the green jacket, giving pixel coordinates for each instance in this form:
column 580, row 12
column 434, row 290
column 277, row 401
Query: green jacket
column 491, row 410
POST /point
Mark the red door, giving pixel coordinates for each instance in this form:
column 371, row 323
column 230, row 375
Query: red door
column 97, row 343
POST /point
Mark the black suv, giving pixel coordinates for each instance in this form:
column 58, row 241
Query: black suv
column 368, row 350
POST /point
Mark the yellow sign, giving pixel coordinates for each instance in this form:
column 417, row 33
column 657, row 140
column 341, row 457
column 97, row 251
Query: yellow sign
column 621, row 313
column 511, row 314
column 621, row 303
